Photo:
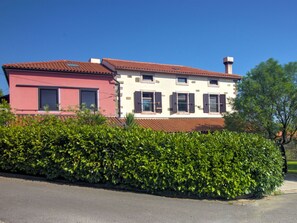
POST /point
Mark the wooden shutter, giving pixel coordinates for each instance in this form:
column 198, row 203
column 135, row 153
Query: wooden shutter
column 205, row 103
column 192, row 103
column 158, row 100
column 137, row 102
column 222, row 103
column 174, row 102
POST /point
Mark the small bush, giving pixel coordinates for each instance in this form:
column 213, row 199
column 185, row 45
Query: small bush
column 130, row 121
column 86, row 116
column 219, row 165
column 6, row 116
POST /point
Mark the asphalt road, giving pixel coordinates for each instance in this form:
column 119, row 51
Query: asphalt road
column 23, row 200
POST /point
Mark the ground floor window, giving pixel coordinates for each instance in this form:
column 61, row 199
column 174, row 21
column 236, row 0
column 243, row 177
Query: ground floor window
column 182, row 102
column 148, row 101
column 88, row 99
column 213, row 103
column 48, row 99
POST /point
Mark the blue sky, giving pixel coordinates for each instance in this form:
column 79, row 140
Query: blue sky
column 197, row 33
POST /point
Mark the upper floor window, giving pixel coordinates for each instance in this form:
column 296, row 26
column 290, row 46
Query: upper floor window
column 213, row 82
column 148, row 78
column 88, row 98
column 48, row 99
column 182, row 80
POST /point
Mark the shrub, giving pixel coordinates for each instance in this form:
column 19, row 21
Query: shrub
column 86, row 116
column 219, row 165
column 130, row 121
column 6, row 115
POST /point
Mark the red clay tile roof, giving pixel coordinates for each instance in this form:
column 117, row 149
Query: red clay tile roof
column 166, row 125
column 175, row 124
column 165, row 68
column 61, row 66
column 182, row 124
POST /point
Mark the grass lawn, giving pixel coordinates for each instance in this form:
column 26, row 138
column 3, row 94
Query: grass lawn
column 292, row 166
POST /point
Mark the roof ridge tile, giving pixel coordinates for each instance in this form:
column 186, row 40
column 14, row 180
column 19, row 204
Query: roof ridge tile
column 154, row 63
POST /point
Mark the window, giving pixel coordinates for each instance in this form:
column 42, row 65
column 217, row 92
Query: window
column 182, row 102
column 182, row 80
column 214, row 82
column 88, row 98
column 147, row 78
column 213, row 103
column 147, row 101
column 48, row 99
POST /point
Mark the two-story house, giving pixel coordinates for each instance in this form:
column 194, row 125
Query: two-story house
column 163, row 97
column 151, row 90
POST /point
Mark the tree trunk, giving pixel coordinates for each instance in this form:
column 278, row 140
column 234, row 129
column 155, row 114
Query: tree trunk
column 283, row 152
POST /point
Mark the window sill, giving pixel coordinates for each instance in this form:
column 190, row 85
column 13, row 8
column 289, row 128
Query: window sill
column 213, row 85
column 214, row 113
column 148, row 113
column 183, row 113
column 43, row 111
column 148, row 82
column 183, row 84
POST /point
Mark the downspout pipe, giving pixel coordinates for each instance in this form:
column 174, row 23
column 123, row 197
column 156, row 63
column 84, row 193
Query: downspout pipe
column 119, row 93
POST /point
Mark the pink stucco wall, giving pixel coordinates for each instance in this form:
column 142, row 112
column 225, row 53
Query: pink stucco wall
column 24, row 90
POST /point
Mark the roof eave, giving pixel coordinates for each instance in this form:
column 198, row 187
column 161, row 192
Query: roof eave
column 222, row 75
column 5, row 74
column 47, row 70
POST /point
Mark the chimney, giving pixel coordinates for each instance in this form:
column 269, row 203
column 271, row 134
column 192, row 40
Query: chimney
column 94, row 60
column 228, row 61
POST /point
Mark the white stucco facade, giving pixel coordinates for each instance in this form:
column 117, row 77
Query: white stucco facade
column 131, row 81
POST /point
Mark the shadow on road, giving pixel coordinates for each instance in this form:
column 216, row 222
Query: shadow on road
column 121, row 188
column 291, row 177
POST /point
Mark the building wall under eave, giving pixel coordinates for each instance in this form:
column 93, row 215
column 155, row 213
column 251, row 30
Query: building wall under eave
column 167, row 84
column 24, row 87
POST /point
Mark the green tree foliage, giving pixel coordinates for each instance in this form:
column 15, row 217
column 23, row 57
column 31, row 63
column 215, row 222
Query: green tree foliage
column 267, row 102
column 6, row 115
column 1, row 92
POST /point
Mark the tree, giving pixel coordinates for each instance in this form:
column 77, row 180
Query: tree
column 267, row 102
column 1, row 92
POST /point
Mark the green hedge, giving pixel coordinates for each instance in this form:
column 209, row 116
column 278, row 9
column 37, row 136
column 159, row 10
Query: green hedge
column 219, row 165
